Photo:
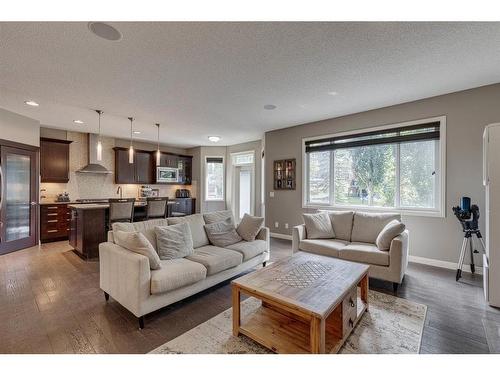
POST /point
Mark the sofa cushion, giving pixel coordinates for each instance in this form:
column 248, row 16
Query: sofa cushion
column 318, row 225
column 216, row 216
column 341, row 224
column 249, row 249
column 174, row 241
column 393, row 229
column 196, row 224
column 216, row 259
column 222, row 233
column 138, row 243
column 362, row 252
column 176, row 273
column 145, row 227
column 367, row 225
column 329, row 247
column 249, row 226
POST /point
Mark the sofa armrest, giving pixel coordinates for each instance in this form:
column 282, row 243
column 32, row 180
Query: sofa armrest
column 125, row 276
column 265, row 234
column 398, row 253
column 298, row 234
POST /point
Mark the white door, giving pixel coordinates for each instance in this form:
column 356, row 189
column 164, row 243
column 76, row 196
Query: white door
column 244, row 190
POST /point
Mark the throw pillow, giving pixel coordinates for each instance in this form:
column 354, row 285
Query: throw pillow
column 391, row 230
column 222, row 233
column 217, row 216
column 249, row 227
column 138, row 243
column 318, row 225
column 174, row 241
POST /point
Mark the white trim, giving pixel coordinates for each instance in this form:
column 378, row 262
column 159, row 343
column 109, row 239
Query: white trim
column 441, row 188
column 205, row 187
column 443, row 264
column 282, row 236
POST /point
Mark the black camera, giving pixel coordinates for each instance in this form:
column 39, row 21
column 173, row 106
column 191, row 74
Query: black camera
column 467, row 214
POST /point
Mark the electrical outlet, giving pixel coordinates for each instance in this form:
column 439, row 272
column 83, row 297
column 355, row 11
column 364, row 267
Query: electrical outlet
column 271, row 194
column 286, row 225
column 276, row 224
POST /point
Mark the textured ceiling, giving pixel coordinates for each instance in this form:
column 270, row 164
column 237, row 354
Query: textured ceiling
column 201, row 79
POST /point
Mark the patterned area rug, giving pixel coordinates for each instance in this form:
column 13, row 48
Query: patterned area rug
column 391, row 326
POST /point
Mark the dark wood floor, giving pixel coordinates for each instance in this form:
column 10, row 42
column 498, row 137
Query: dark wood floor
column 50, row 302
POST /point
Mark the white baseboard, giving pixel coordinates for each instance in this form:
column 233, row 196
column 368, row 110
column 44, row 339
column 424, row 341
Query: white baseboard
column 282, row 236
column 443, row 264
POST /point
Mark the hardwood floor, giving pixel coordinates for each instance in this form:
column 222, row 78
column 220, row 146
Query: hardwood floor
column 50, row 302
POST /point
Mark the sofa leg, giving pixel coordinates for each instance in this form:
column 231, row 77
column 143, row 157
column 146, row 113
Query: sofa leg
column 264, row 264
column 395, row 287
column 141, row 322
column 106, row 296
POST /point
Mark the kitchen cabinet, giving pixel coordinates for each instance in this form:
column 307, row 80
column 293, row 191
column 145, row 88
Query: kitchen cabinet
column 183, row 163
column 54, row 222
column 185, row 206
column 87, row 230
column 138, row 172
column 54, row 160
column 143, row 161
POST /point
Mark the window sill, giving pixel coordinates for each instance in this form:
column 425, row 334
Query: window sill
column 403, row 212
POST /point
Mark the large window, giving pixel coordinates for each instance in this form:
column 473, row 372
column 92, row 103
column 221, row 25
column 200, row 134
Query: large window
column 214, row 179
column 395, row 168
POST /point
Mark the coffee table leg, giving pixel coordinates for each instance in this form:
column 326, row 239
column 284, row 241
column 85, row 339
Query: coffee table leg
column 317, row 336
column 236, row 310
column 364, row 290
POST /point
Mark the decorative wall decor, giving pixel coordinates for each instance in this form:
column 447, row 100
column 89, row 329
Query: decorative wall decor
column 284, row 174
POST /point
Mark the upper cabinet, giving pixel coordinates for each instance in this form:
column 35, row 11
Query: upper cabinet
column 143, row 169
column 54, row 160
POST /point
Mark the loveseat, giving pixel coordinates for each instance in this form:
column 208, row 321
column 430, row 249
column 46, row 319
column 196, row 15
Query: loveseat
column 126, row 276
column 354, row 240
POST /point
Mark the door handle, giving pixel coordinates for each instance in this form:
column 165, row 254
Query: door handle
column 34, row 203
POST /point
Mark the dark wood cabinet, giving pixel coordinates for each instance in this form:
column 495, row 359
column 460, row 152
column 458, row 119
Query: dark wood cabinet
column 183, row 163
column 54, row 160
column 124, row 171
column 87, row 229
column 54, row 222
column 143, row 167
column 184, row 206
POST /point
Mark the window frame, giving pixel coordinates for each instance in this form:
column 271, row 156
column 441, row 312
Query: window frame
column 440, row 191
column 207, row 199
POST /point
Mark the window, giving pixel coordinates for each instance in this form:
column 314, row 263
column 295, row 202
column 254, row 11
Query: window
column 214, row 179
column 396, row 168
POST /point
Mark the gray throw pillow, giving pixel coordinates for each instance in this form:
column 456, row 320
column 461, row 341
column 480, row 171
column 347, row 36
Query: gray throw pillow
column 138, row 243
column 222, row 233
column 217, row 216
column 318, row 225
column 391, row 230
column 174, row 241
column 249, row 227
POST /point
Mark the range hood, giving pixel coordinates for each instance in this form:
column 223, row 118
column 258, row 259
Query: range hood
column 93, row 166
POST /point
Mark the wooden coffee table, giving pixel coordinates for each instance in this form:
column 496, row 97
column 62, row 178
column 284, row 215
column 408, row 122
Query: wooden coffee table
column 310, row 303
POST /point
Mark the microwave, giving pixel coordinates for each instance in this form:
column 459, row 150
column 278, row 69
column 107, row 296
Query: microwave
column 167, row 174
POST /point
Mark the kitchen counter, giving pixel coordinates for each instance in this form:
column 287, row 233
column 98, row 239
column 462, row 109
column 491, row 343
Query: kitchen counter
column 45, row 203
column 93, row 206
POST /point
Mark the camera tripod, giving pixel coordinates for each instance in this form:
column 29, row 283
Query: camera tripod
column 468, row 241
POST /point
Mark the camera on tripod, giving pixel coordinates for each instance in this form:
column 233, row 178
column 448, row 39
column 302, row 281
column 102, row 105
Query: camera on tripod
column 468, row 215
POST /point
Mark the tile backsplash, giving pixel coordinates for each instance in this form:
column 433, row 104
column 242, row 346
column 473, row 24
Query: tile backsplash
column 82, row 185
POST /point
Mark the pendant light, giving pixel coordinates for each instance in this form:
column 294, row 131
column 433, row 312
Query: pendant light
column 131, row 149
column 99, row 144
column 158, row 154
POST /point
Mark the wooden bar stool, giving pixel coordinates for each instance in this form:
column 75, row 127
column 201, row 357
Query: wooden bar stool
column 121, row 210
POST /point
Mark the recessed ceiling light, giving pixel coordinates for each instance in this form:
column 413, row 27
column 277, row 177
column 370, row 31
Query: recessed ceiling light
column 78, row 121
column 270, row 107
column 214, row 138
column 332, row 93
column 31, row 103
column 137, row 132
column 105, row 31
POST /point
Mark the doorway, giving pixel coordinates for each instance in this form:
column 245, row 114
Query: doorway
column 243, row 184
column 19, row 173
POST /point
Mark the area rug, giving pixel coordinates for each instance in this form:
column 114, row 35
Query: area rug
column 392, row 325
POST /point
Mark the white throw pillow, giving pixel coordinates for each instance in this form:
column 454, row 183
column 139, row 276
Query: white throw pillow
column 138, row 243
column 390, row 231
column 249, row 227
column 222, row 233
column 318, row 225
column 174, row 241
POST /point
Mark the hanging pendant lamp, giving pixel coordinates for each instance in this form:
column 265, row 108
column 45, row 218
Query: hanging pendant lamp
column 131, row 149
column 99, row 143
column 158, row 153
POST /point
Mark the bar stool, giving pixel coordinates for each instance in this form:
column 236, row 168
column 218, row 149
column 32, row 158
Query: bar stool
column 156, row 207
column 121, row 210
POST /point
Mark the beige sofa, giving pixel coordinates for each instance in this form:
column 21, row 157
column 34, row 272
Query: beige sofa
column 355, row 236
column 126, row 275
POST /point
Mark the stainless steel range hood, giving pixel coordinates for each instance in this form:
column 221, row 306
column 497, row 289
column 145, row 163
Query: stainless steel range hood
column 93, row 166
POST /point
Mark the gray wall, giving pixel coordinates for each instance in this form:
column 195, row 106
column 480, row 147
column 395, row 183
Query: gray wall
column 17, row 128
column 467, row 112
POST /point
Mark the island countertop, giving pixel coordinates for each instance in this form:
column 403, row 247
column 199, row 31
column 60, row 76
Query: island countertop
column 94, row 206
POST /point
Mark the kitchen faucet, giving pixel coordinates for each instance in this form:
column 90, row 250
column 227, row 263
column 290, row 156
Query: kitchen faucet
column 119, row 191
